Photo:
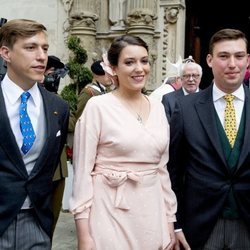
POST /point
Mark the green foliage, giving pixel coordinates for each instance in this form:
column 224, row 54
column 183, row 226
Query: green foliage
column 69, row 94
column 84, row 77
column 78, row 72
column 80, row 54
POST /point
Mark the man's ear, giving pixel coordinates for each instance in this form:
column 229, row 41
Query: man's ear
column 4, row 52
column 209, row 60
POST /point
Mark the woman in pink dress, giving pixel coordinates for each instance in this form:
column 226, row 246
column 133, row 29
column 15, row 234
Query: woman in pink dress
column 122, row 197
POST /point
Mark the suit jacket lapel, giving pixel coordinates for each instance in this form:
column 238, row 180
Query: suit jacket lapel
column 246, row 142
column 50, row 114
column 179, row 92
column 7, row 139
column 206, row 112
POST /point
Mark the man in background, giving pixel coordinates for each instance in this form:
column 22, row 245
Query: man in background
column 55, row 70
column 101, row 84
column 171, row 83
column 190, row 74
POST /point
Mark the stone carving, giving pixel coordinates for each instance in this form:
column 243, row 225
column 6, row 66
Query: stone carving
column 164, row 48
column 141, row 17
column 117, row 12
column 85, row 19
column 67, row 4
column 172, row 14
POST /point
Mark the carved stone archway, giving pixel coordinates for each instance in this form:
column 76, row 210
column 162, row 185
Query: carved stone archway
column 161, row 23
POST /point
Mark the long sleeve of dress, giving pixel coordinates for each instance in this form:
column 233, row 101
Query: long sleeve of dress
column 85, row 148
column 169, row 195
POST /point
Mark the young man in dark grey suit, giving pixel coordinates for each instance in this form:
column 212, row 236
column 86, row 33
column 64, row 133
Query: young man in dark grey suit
column 33, row 132
column 190, row 74
column 210, row 167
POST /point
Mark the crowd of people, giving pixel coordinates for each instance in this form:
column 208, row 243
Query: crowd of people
column 167, row 171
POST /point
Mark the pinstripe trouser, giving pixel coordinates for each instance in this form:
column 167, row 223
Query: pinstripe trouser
column 25, row 233
column 228, row 235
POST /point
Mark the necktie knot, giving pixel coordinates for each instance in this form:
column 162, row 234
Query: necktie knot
column 229, row 98
column 24, row 97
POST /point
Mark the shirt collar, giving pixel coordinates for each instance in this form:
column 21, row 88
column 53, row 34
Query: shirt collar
column 13, row 91
column 218, row 94
column 186, row 93
column 100, row 86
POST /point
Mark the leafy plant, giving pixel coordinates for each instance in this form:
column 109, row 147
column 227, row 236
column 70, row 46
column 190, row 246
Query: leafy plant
column 68, row 93
column 78, row 72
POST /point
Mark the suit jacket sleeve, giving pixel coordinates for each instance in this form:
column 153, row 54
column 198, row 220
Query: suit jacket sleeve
column 166, row 105
column 176, row 154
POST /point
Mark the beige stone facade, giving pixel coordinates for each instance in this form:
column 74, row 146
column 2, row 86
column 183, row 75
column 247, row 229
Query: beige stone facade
column 161, row 23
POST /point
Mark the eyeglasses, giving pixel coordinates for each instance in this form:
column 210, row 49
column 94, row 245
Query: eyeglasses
column 194, row 76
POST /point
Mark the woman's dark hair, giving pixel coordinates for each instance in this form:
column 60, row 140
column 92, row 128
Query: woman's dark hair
column 120, row 43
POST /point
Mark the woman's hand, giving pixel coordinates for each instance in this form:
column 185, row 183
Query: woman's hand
column 172, row 236
column 86, row 243
column 181, row 242
column 84, row 239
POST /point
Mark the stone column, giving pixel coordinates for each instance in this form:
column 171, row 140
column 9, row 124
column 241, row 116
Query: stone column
column 172, row 15
column 141, row 16
column 82, row 21
column 67, row 4
column 117, row 14
column 172, row 31
column 141, row 22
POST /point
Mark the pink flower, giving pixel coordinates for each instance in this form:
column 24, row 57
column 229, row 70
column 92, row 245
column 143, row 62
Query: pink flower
column 108, row 69
column 106, row 65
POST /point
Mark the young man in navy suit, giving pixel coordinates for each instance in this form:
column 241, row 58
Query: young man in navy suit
column 28, row 155
column 209, row 167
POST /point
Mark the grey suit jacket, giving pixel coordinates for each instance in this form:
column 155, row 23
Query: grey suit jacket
column 198, row 169
column 15, row 183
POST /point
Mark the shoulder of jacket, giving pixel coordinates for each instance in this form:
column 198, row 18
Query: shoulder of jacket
column 91, row 90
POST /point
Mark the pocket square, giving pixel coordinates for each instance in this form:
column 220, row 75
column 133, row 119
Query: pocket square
column 58, row 133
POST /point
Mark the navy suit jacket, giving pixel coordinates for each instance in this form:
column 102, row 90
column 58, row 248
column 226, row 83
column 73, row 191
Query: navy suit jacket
column 15, row 183
column 169, row 99
column 198, row 169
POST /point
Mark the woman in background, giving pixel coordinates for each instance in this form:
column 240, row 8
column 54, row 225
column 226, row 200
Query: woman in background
column 122, row 196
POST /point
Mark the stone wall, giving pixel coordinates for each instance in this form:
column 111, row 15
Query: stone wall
column 51, row 13
column 161, row 23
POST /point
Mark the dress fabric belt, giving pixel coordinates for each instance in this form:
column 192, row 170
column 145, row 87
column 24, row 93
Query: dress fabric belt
column 117, row 179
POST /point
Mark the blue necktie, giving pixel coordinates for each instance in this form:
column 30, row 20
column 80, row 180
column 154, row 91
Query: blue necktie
column 25, row 124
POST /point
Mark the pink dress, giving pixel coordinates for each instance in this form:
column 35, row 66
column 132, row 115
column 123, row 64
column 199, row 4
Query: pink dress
column 120, row 179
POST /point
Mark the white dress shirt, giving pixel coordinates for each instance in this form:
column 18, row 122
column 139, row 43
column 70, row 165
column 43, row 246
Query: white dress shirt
column 35, row 108
column 220, row 103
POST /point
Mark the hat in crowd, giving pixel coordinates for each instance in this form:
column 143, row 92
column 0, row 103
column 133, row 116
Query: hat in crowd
column 188, row 60
column 55, row 62
column 97, row 69
column 173, row 69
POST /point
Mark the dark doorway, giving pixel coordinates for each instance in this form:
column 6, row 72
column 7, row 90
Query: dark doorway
column 203, row 19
